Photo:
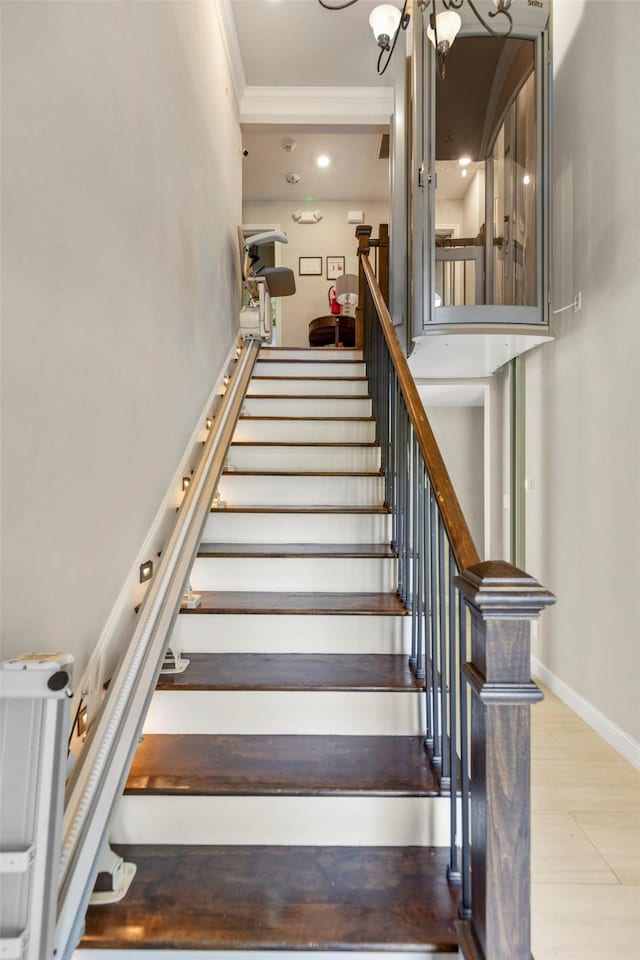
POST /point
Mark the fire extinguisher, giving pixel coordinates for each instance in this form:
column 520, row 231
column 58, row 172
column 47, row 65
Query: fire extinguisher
column 333, row 301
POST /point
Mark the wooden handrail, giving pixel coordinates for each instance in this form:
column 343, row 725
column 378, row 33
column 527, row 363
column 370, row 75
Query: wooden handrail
column 462, row 545
column 470, row 643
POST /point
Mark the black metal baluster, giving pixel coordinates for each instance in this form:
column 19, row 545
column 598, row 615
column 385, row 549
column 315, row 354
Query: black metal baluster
column 436, row 613
column 406, row 481
column 384, row 452
column 375, row 377
column 420, row 566
column 415, row 613
column 428, row 615
column 401, row 513
column 393, row 449
column 443, row 543
column 465, row 902
column 453, row 871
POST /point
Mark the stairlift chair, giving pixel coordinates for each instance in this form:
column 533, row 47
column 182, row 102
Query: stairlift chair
column 261, row 285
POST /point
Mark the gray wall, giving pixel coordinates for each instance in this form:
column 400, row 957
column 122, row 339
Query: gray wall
column 583, row 396
column 460, row 435
column 121, row 193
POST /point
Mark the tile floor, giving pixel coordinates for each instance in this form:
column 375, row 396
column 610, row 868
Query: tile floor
column 585, row 841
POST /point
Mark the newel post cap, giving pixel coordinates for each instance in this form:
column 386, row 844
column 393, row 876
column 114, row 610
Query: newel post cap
column 497, row 587
column 363, row 232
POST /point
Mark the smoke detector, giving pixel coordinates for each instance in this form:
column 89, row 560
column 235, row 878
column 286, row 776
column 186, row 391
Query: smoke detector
column 292, row 178
column 288, row 145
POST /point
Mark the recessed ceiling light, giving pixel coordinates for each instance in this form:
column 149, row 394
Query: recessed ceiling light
column 464, row 161
column 464, row 173
column 323, row 160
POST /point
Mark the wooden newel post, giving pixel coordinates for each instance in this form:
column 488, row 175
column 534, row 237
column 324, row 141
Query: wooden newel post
column 362, row 233
column 503, row 602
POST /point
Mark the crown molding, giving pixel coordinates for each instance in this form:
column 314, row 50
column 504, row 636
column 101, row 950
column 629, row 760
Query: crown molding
column 336, row 105
column 231, row 48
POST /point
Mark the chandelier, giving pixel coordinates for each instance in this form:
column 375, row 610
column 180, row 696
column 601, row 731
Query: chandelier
column 387, row 21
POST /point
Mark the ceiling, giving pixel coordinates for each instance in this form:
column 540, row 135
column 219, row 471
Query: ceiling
column 298, row 43
column 354, row 172
column 483, row 74
column 451, row 184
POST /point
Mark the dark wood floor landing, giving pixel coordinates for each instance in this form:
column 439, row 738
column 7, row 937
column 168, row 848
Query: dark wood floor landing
column 280, row 898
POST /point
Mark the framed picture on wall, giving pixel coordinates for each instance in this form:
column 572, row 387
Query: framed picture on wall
column 310, row 266
column 335, row 267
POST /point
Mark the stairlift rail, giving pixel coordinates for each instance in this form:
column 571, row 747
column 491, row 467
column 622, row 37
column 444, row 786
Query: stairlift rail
column 103, row 768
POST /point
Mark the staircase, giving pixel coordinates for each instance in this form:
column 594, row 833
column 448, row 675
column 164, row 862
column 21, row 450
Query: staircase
column 281, row 798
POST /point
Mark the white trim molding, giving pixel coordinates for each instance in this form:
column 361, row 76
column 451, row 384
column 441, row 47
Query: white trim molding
column 615, row 736
column 231, row 48
column 349, row 105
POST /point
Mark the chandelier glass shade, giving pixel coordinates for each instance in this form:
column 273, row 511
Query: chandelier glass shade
column 444, row 24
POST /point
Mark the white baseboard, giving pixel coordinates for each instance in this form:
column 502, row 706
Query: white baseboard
column 615, row 736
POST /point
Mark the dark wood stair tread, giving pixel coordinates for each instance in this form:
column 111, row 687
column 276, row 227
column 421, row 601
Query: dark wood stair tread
column 302, row 473
column 314, row 378
column 302, row 443
column 252, row 898
column 245, row 416
column 249, row 601
column 327, row 350
column 315, row 550
column 306, row 396
column 294, row 671
column 304, row 508
column 334, row 359
column 266, row 766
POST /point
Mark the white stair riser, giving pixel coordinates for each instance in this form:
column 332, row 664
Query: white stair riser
column 224, row 526
column 293, row 633
column 295, row 574
column 356, row 491
column 274, row 712
column 321, row 354
column 325, row 368
column 341, row 459
column 305, row 431
column 301, row 407
column 304, row 821
column 305, row 387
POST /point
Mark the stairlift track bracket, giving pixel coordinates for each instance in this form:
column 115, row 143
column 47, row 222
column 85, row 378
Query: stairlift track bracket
column 174, row 662
column 115, row 875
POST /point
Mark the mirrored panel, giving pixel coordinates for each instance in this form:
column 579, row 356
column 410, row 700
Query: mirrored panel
column 486, row 165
